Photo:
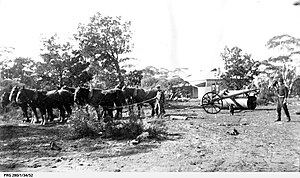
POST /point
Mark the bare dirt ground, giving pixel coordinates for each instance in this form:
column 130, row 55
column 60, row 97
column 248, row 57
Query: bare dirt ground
column 196, row 142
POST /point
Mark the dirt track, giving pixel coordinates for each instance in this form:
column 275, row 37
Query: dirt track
column 201, row 142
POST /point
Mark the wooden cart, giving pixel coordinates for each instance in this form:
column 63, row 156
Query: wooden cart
column 213, row 103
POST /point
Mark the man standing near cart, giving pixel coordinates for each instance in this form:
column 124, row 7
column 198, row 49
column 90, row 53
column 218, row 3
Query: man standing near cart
column 282, row 91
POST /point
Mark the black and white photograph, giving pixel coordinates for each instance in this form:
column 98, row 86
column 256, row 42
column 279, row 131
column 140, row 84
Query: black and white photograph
column 159, row 87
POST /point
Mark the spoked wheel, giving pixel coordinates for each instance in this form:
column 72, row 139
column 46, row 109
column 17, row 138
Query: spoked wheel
column 212, row 103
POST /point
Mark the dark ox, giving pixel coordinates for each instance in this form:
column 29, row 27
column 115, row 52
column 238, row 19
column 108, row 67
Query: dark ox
column 46, row 101
column 107, row 99
column 140, row 96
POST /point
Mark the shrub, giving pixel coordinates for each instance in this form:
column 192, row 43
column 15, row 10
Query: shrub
column 125, row 129
column 82, row 125
column 156, row 129
column 266, row 99
column 262, row 101
column 133, row 127
column 86, row 125
column 12, row 113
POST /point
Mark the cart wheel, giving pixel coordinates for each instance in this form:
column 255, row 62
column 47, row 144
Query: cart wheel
column 212, row 103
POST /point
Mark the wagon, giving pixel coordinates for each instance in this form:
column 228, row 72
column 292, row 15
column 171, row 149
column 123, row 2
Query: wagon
column 213, row 103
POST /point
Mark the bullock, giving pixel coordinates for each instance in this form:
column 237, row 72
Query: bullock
column 107, row 99
column 140, row 96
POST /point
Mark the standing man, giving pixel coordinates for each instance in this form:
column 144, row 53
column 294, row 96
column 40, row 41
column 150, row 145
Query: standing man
column 160, row 102
column 283, row 91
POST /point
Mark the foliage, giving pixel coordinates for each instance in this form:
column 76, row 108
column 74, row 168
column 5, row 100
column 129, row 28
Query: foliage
column 175, row 82
column 156, row 129
column 133, row 127
column 149, row 82
column 62, row 65
column 12, row 114
column 240, row 68
column 151, row 71
column 283, row 42
column 78, row 74
column 123, row 129
column 167, row 79
column 103, row 44
column 266, row 95
column 296, row 87
column 104, row 41
column 134, row 78
column 21, row 70
column 283, row 65
column 82, row 125
column 7, row 84
column 4, row 58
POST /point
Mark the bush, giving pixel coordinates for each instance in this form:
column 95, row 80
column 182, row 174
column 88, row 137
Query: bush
column 12, row 113
column 130, row 129
column 85, row 125
column 266, row 99
column 82, row 125
column 123, row 129
column 262, row 101
column 156, row 129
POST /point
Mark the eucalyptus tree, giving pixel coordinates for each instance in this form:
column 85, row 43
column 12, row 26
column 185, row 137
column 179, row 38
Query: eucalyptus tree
column 286, row 62
column 61, row 65
column 21, row 70
column 240, row 68
column 105, row 41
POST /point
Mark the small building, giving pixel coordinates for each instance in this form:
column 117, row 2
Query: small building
column 207, row 85
column 210, row 82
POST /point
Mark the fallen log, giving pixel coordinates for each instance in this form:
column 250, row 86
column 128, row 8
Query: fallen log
column 178, row 117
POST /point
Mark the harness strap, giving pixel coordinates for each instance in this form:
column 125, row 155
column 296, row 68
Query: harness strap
column 117, row 107
column 135, row 92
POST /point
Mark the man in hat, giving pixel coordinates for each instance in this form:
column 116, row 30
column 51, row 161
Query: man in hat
column 283, row 91
column 160, row 102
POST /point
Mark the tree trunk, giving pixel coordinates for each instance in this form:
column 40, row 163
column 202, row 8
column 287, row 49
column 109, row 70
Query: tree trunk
column 120, row 76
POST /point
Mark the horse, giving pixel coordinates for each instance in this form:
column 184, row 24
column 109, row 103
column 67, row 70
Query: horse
column 25, row 97
column 46, row 101
column 24, row 105
column 107, row 99
column 140, row 96
column 5, row 100
column 68, row 93
column 60, row 99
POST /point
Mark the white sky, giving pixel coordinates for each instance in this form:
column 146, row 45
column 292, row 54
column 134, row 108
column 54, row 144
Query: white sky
column 167, row 33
